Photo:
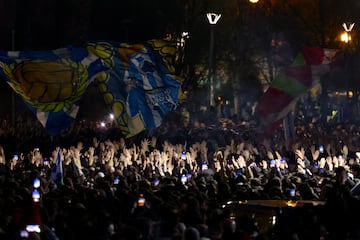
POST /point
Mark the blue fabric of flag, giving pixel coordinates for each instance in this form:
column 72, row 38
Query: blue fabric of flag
column 52, row 82
column 155, row 93
column 141, row 88
column 57, row 173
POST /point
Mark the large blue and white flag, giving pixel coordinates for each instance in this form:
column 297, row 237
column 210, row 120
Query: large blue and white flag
column 52, row 82
column 137, row 81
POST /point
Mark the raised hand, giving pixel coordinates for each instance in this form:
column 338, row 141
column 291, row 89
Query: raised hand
column 153, row 142
column 278, row 155
column 270, row 155
column 125, row 157
column 322, row 162
column 240, row 147
column 328, row 149
column 227, row 152
column 345, row 150
column 2, row 155
column 316, row 154
column 341, row 161
column 282, row 163
column 241, row 161
column 301, row 165
column 145, row 143
column 335, row 161
column 329, row 163
column 300, row 153
column 264, row 164
column 191, row 156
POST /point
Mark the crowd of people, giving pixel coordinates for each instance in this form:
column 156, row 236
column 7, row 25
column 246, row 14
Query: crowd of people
column 174, row 182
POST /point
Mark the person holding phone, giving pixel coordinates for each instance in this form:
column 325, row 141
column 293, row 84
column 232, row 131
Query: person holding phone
column 14, row 162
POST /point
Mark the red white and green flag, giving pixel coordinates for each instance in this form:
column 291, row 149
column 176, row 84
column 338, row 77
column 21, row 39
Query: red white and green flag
column 292, row 82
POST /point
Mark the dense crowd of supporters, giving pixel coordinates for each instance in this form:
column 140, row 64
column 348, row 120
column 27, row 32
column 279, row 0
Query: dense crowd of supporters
column 174, row 182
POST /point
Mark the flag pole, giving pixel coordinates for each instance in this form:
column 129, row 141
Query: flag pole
column 289, row 127
column 12, row 92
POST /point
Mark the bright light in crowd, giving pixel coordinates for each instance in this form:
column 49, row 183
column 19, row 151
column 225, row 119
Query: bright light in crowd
column 36, row 183
column 111, row 116
column 254, row 1
column 33, row 228
column 273, row 220
column 36, row 195
column 102, row 124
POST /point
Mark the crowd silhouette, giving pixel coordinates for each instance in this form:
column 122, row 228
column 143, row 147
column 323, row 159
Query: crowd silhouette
column 177, row 181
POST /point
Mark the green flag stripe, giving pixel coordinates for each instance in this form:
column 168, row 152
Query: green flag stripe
column 289, row 85
column 299, row 60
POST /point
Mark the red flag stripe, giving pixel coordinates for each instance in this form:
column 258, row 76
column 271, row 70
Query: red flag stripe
column 273, row 101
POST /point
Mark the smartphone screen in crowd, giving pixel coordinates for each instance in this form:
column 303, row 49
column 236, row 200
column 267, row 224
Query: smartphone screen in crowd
column 24, row 234
column 36, row 183
column 183, row 179
column 292, row 192
column 36, row 196
column 116, row 180
column 141, row 200
column 33, row 228
column 272, row 163
column 156, row 182
column 204, row 166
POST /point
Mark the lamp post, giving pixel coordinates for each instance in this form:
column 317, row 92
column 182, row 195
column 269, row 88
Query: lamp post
column 213, row 19
column 346, row 38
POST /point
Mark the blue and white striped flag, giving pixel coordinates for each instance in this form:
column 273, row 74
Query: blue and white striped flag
column 141, row 88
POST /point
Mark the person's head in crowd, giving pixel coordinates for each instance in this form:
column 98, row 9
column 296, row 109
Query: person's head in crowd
column 256, row 188
column 355, row 170
column 307, row 192
column 191, row 233
column 341, row 175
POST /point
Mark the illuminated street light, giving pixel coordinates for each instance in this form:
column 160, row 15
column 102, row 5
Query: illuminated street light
column 346, row 36
column 213, row 19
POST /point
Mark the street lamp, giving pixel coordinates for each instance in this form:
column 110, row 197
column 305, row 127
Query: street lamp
column 213, row 19
column 346, row 38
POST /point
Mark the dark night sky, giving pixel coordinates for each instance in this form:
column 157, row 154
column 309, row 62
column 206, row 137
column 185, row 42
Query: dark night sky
column 40, row 24
column 50, row 24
